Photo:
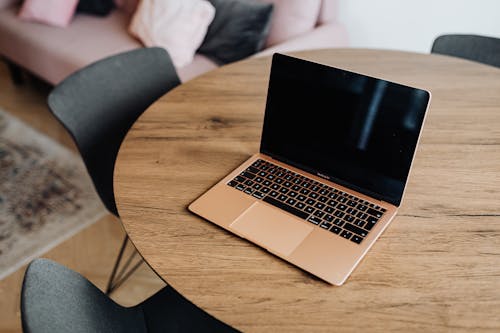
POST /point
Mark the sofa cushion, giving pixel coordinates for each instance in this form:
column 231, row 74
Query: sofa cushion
column 53, row 12
column 239, row 29
column 292, row 18
column 95, row 7
column 53, row 53
column 179, row 26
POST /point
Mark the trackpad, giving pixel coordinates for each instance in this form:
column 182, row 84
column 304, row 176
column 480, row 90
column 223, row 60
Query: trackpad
column 271, row 228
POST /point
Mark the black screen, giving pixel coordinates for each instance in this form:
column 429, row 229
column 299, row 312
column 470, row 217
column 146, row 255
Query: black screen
column 357, row 130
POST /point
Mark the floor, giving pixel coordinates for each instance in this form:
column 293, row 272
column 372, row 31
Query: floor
column 91, row 252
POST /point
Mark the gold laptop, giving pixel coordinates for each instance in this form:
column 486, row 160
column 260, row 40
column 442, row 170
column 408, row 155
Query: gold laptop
column 335, row 154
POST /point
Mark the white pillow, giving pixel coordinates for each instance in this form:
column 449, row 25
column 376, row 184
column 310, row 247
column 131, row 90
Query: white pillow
column 179, row 26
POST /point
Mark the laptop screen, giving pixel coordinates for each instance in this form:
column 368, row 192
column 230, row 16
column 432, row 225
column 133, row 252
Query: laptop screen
column 356, row 130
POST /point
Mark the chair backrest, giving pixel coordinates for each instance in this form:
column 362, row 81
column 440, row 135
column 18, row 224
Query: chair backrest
column 472, row 47
column 56, row 299
column 99, row 103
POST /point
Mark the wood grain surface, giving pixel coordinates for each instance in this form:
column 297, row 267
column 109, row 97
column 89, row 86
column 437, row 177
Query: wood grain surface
column 436, row 268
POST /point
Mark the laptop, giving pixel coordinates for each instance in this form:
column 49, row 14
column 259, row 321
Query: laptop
column 335, row 155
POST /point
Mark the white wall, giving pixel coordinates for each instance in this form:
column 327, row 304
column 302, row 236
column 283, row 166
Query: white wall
column 413, row 24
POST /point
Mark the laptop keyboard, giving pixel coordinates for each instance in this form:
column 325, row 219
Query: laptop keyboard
column 328, row 208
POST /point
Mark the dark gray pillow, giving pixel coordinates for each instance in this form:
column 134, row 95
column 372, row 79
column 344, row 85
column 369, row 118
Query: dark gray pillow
column 239, row 29
column 95, row 7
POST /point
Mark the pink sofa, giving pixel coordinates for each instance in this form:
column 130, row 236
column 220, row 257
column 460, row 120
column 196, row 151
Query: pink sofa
column 52, row 53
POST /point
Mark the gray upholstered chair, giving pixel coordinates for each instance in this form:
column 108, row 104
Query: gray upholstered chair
column 472, row 47
column 98, row 104
column 56, row 299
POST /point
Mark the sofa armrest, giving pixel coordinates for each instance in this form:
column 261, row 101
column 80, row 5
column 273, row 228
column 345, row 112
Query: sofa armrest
column 322, row 37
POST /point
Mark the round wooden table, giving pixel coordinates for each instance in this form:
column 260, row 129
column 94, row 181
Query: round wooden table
column 436, row 268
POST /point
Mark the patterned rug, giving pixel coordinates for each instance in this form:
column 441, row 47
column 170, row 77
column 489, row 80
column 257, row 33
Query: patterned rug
column 46, row 195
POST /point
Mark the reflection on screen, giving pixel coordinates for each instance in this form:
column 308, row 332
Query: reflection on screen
column 358, row 130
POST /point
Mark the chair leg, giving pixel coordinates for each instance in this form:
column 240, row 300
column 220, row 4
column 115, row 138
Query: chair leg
column 116, row 280
column 16, row 73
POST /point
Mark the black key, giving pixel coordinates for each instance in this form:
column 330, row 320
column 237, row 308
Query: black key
column 297, row 181
column 362, row 215
column 322, row 199
column 284, row 190
column 333, row 195
column 279, row 174
column 258, row 195
column 262, row 174
column 279, row 180
column 374, row 212
column 319, row 213
column 248, row 190
column 257, row 163
column 313, row 195
column 349, row 218
column 291, row 210
column 273, row 194
column 362, row 207
column 356, row 239
column 320, row 205
column 310, row 202
column 356, row 230
column 287, row 184
column 314, row 220
column 300, row 205
column 271, row 177
column 346, row 234
column 253, row 170
column 264, row 167
column 342, row 199
column 305, row 191
column 296, row 188
column 352, row 203
column 289, row 177
column 315, row 188
column 309, row 209
column 341, row 207
column 292, row 194
column 266, row 183
column 306, row 184
column 248, row 175
column 259, row 179
column 240, row 187
column 329, row 209
column 301, row 197
column 339, row 213
column 325, row 225
column 351, row 211
column 257, row 186
column 291, row 201
column 370, row 222
column 338, row 222
column 232, row 183
column 324, row 192
column 335, row 230
column 359, row 223
column 265, row 190
column 249, row 183
column 239, row 179
column 329, row 218
column 282, row 197
column 275, row 187
column 332, row 203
